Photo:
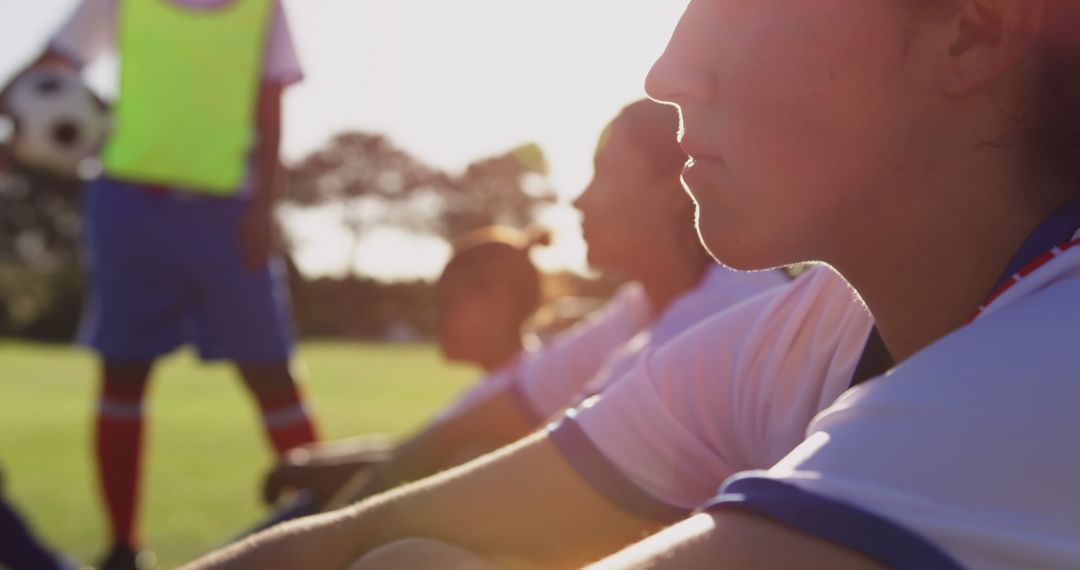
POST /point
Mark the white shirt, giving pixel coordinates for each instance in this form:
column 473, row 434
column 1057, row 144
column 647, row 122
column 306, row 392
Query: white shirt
column 578, row 353
column 481, row 390
column 546, row 393
column 90, row 31
column 964, row 455
column 734, row 392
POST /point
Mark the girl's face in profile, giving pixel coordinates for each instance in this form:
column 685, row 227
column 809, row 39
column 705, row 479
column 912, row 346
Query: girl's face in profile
column 472, row 319
column 798, row 115
column 624, row 206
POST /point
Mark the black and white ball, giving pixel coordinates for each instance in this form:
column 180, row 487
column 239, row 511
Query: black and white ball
column 59, row 122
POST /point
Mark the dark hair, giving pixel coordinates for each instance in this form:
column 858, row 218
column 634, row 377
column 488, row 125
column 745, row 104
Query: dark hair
column 1055, row 112
column 495, row 255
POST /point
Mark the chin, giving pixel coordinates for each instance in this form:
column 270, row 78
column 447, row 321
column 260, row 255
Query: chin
column 741, row 255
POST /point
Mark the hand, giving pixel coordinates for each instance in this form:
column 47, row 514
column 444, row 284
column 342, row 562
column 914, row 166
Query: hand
column 259, row 237
column 322, row 481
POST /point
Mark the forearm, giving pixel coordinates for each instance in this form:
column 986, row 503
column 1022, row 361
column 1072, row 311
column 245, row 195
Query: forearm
column 733, row 540
column 360, row 451
column 521, row 506
column 267, row 169
column 492, row 423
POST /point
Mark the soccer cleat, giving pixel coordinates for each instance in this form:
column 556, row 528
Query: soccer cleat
column 123, row 557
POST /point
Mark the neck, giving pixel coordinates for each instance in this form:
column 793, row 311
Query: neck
column 665, row 278
column 933, row 264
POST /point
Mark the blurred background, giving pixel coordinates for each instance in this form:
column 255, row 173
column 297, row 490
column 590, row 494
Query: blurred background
column 397, row 138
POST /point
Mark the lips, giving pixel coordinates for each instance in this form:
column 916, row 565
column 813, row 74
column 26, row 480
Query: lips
column 697, row 151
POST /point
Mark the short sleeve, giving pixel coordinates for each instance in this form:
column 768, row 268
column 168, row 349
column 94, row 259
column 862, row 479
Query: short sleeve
column 549, row 380
column 483, row 389
column 88, row 32
column 964, row 456
column 645, row 423
column 281, row 64
column 735, row 392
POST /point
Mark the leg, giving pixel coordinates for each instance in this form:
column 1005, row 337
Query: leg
column 284, row 415
column 118, row 447
column 420, row 553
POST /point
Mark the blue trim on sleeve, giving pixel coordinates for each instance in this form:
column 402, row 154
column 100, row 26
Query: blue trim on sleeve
column 604, row 476
column 833, row 521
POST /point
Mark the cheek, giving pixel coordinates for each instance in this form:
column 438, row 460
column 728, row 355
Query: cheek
column 456, row 328
column 796, row 98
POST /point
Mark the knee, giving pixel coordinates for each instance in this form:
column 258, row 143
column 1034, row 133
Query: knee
column 420, row 553
column 268, row 379
column 129, row 375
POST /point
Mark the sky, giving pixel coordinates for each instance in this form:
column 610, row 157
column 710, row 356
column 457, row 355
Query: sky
column 451, row 81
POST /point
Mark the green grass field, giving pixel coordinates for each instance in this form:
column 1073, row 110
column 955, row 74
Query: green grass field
column 207, row 453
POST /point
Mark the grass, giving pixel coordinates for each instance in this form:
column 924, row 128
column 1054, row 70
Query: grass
column 206, row 452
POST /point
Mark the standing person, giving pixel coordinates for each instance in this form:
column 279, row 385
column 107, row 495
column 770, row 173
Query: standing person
column 938, row 143
column 179, row 229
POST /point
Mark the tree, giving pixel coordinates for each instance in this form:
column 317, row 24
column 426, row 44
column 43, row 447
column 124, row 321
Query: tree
column 370, row 182
column 41, row 287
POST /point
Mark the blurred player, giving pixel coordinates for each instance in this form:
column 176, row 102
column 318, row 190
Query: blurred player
column 636, row 222
column 583, row 495
column 488, row 292
column 180, row 231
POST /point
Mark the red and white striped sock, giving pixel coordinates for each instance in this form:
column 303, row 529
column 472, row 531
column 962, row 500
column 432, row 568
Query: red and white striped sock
column 118, row 444
column 286, row 421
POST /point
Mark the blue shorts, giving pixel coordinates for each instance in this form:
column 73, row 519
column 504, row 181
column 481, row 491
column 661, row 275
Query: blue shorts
column 166, row 269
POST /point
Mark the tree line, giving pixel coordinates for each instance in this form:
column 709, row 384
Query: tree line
column 367, row 180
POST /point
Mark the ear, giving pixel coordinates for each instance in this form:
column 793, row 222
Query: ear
column 985, row 39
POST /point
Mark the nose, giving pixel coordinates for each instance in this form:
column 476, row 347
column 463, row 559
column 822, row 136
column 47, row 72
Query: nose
column 581, row 202
column 679, row 74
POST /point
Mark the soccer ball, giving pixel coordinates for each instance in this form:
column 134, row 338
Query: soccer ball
column 58, row 121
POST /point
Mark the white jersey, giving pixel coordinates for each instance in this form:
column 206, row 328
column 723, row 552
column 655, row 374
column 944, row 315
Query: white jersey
column 481, row 390
column 733, row 393
column 91, row 31
column 964, row 455
column 574, row 355
column 546, row 393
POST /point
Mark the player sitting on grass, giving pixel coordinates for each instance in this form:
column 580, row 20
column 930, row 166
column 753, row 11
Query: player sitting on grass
column 487, row 294
column 940, row 141
column 637, row 221
column 734, row 392
column 881, row 114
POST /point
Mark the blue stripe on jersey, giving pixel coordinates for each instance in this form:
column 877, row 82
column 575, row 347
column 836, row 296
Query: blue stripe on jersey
column 604, row 477
column 833, row 521
column 1054, row 231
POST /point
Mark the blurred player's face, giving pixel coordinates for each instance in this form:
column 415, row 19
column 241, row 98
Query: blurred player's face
column 470, row 320
column 624, row 208
column 798, row 115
